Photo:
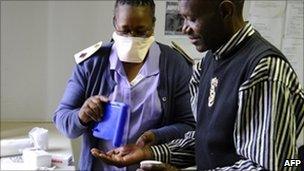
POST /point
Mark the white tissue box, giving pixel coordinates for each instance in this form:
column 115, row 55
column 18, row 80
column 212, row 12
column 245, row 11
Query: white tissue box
column 35, row 158
column 62, row 160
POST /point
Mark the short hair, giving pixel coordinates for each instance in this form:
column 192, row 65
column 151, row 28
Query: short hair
column 238, row 3
column 239, row 6
column 138, row 3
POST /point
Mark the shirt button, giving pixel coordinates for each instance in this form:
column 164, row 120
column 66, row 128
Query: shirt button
column 164, row 99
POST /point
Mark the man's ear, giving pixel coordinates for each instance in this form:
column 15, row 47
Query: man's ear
column 227, row 9
column 154, row 21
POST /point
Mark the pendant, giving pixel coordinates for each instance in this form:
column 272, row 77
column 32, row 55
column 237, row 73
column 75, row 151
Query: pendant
column 213, row 85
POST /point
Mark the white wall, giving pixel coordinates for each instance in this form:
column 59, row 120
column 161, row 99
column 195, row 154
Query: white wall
column 38, row 40
column 24, row 60
column 73, row 26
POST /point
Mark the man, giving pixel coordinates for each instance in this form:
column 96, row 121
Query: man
column 134, row 70
column 250, row 108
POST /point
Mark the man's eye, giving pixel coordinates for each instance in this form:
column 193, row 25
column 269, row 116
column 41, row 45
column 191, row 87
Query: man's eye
column 125, row 32
column 189, row 19
column 141, row 33
column 192, row 19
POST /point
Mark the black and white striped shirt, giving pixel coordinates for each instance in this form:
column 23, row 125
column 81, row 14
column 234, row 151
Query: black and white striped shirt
column 270, row 116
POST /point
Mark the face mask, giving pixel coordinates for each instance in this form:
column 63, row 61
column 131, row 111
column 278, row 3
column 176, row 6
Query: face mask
column 132, row 49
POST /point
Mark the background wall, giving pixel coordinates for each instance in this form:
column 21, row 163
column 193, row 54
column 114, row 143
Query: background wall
column 39, row 38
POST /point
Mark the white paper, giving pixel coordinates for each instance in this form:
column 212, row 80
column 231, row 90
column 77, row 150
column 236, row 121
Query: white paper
column 270, row 28
column 267, row 17
column 293, row 50
column 294, row 20
column 269, row 9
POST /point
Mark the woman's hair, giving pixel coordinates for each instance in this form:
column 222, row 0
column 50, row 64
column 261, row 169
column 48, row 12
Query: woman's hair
column 138, row 3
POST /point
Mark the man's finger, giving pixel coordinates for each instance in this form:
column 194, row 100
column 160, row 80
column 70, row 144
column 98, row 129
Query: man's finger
column 140, row 142
column 111, row 152
column 95, row 152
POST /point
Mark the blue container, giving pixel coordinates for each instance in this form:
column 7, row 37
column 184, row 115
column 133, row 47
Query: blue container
column 111, row 127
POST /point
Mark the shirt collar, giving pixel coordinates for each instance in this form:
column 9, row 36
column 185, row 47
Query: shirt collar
column 235, row 40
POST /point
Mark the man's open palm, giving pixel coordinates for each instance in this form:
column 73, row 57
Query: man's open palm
column 123, row 156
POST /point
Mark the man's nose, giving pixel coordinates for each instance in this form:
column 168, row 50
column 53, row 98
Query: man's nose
column 185, row 28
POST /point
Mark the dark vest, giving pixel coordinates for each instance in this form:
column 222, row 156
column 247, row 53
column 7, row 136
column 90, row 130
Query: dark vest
column 214, row 143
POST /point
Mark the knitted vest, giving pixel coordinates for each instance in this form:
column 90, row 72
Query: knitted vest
column 218, row 104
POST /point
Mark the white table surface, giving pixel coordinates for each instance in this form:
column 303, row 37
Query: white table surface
column 58, row 144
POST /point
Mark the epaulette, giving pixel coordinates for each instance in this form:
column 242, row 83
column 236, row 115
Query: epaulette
column 87, row 53
column 182, row 52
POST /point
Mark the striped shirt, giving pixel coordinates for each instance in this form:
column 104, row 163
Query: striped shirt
column 270, row 116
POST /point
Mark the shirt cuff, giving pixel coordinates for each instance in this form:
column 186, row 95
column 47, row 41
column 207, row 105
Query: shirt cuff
column 161, row 153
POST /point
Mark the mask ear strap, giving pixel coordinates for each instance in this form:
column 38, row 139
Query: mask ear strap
column 114, row 23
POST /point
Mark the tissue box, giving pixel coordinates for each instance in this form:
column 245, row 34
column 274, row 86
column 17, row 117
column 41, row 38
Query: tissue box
column 62, row 160
column 35, row 158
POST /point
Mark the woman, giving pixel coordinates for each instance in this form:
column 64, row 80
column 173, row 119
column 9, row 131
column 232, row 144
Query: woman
column 151, row 78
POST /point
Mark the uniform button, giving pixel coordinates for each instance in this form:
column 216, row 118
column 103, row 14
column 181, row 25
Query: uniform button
column 82, row 55
column 164, row 99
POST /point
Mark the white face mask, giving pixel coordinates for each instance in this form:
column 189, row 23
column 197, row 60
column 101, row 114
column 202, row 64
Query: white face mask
column 132, row 49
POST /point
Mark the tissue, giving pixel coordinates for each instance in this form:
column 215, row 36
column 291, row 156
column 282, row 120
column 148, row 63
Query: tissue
column 40, row 138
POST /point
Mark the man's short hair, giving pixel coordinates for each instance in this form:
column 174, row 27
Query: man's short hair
column 138, row 3
column 238, row 3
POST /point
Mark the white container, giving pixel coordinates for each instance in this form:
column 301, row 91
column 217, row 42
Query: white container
column 150, row 163
column 35, row 158
column 14, row 146
column 62, row 160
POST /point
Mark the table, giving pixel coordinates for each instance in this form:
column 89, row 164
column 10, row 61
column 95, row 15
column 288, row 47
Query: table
column 58, row 144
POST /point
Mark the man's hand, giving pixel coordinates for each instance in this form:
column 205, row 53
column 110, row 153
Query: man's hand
column 92, row 109
column 124, row 156
column 147, row 138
